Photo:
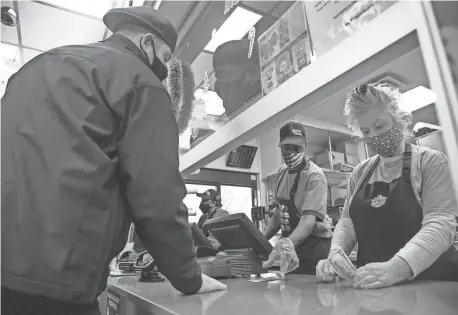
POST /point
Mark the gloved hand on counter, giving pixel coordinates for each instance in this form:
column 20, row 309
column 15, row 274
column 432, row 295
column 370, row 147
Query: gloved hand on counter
column 211, row 285
column 285, row 251
column 325, row 272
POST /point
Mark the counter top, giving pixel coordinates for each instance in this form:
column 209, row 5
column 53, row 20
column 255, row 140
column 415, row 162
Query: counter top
column 297, row 294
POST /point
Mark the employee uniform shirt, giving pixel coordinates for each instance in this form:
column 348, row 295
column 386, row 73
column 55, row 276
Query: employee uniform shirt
column 433, row 189
column 311, row 196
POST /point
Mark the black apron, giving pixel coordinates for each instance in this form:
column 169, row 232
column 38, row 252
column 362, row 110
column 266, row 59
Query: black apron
column 387, row 215
column 314, row 248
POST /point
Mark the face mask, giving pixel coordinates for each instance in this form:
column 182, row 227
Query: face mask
column 159, row 69
column 180, row 85
column 293, row 160
column 205, row 208
column 387, row 143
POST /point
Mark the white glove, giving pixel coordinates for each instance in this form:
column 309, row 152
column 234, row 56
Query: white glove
column 211, row 285
column 283, row 250
column 325, row 272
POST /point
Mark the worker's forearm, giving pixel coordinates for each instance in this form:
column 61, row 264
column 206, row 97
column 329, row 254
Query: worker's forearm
column 303, row 230
column 272, row 227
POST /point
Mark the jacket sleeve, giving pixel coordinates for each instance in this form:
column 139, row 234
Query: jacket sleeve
column 148, row 157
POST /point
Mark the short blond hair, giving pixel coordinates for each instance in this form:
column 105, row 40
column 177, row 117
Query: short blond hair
column 376, row 95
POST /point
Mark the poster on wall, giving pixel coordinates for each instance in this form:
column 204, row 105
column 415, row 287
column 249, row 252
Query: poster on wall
column 331, row 22
column 284, row 48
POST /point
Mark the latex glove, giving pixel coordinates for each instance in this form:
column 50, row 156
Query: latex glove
column 325, row 272
column 283, row 250
column 380, row 275
column 211, row 285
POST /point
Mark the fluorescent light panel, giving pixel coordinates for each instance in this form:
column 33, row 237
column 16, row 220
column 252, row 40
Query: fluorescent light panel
column 213, row 103
column 235, row 27
column 417, row 98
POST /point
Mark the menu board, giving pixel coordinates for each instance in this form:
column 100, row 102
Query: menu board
column 284, row 48
column 331, row 22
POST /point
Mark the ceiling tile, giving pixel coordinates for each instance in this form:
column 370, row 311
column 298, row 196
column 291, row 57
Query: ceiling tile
column 95, row 8
column 44, row 27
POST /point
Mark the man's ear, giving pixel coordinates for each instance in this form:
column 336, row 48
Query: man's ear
column 147, row 44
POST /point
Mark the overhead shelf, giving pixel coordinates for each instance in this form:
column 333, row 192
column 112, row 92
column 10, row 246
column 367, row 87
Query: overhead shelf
column 312, row 86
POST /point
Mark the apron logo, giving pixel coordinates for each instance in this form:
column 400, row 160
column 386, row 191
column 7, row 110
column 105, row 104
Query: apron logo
column 378, row 201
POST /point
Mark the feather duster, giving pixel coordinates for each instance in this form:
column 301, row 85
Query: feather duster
column 180, row 85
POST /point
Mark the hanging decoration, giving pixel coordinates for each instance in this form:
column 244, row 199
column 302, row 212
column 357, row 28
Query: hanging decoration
column 228, row 5
column 251, row 37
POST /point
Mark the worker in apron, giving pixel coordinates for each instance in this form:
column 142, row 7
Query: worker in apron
column 381, row 207
column 401, row 207
column 301, row 199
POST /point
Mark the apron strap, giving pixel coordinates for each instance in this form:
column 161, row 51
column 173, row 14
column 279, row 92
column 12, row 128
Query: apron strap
column 293, row 190
column 279, row 182
column 406, row 162
column 369, row 173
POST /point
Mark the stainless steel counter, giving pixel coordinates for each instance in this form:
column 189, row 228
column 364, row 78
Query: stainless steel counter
column 297, row 294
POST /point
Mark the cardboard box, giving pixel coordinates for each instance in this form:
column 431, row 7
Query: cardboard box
column 352, row 159
column 348, row 147
column 337, row 194
column 324, row 159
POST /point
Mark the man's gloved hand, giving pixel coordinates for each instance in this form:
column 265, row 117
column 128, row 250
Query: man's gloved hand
column 283, row 250
column 325, row 272
column 211, row 285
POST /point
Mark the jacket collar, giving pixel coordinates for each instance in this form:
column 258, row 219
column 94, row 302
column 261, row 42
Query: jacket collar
column 121, row 41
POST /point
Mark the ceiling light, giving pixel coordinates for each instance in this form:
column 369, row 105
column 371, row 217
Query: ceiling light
column 8, row 16
column 235, row 27
column 213, row 103
column 89, row 7
column 417, row 98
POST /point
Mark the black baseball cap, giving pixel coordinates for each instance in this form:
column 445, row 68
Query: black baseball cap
column 145, row 16
column 210, row 194
column 293, row 133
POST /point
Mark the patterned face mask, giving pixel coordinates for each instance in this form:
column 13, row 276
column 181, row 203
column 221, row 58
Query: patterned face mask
column 293, row 160
column 387, row 143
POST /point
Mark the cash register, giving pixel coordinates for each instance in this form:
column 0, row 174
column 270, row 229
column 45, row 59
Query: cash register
column 245, row 247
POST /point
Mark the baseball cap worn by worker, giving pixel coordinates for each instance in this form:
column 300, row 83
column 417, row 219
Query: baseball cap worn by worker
column 146, row 17
column 212, row 195
column 293, row 133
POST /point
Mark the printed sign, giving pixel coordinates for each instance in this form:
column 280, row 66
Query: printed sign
column 113, row 302
column 331, row 22
column 284, row 48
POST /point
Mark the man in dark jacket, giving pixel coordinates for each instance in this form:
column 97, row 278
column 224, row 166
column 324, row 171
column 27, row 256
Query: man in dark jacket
column 90, row 144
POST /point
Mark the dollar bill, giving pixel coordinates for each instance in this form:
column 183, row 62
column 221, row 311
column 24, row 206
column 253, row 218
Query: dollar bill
column 343, row 265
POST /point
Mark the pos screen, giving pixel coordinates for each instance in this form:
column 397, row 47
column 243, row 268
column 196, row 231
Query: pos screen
column 236, row 231
column 199, row 237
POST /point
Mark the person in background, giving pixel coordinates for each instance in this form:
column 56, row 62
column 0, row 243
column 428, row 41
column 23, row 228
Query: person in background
column 400, row 207
column 301, row 196
column 90, row 143
column 211, row 209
